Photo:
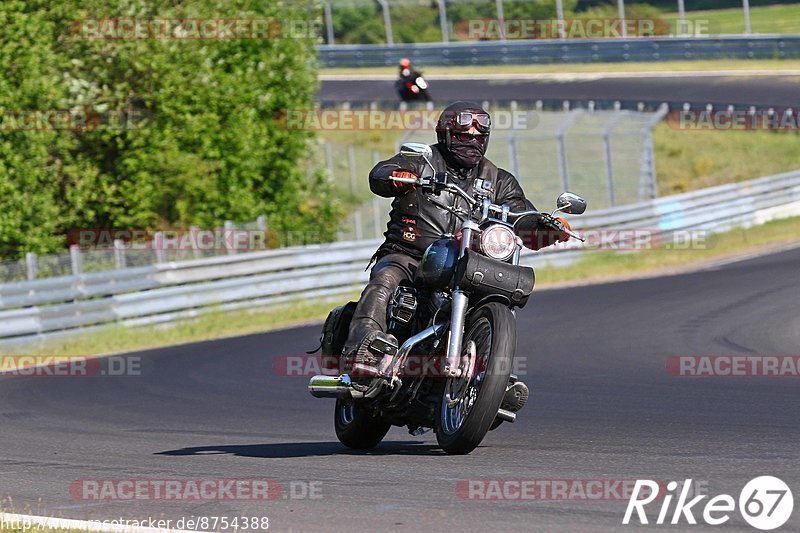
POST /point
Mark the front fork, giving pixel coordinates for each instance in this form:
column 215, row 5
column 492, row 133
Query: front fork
column 458, row 310
column 460, row 304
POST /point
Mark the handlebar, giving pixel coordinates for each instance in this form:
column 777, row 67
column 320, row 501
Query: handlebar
column 452, row 187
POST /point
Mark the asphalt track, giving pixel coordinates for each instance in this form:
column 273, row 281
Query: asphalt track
column 762, row 91
column 603, row 407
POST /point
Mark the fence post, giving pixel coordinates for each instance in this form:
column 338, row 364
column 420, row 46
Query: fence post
column 682, row 18
column 351, row 162
column 329, row 21
column 376, row 219
column 621, row 11
column 387, row 21
column 76, row 259
column 119, row 253
column 512, row 143
column 607, row 156
column 562, row 146
column 648, row 186
column 501, row 22
column 229, row 229
column 158, row 247
column 329, row 157
column 560, row 17
column 746, row 7
column 32, row 265
column 443, row 21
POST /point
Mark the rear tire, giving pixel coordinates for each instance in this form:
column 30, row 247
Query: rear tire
column 492, row 328
column 356, row 428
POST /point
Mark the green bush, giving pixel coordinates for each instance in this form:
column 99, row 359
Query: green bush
column 204, row 147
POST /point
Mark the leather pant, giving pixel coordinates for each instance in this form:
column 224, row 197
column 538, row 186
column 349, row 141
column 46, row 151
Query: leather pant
column 370, row 313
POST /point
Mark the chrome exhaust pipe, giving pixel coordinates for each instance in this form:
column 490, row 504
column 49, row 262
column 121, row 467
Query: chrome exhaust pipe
column 330, row 386
column 506, row 415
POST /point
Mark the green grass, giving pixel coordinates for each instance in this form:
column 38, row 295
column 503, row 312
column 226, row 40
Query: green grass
column 783, row 19
column 690, row 160
column 597, row 266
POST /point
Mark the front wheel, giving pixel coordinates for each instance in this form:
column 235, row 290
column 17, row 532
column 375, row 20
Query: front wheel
column 356, row 428
column 490, row 339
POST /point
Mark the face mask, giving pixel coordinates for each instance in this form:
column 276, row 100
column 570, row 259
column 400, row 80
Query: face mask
column 467, row 150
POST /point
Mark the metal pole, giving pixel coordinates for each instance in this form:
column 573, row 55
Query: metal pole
column 621, row 9
column 607, row 156
column 562, row 146
column 32, row 265
column 682, row 17
column 119, row 253
column 501, row 19
column 746, row 6
column 329, row 157
column 512, row 145
column 376, row 216
column 329, row 21
column 351, row 162
column 76, row 259
column 560, row 17
column 443, row 21
column 387, row 21
column 230, row 236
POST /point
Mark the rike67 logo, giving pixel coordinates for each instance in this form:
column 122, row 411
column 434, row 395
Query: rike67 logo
column 765, row 503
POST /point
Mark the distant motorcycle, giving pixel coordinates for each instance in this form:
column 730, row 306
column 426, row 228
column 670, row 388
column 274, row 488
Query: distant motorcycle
column 413, row 88
column 458, row 316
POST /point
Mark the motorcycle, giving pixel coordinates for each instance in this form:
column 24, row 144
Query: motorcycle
column 458, row 314
column 413, row 88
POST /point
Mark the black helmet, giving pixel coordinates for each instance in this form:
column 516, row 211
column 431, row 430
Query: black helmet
column 465, row 150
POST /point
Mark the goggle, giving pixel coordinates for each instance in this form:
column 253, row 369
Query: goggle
column 465, row 119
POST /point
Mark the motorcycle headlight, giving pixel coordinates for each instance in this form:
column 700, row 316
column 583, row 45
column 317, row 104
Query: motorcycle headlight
column 498, row 242
column 421, row 83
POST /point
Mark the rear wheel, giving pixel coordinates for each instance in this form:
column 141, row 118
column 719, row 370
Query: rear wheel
column 356, row 428
column 469, row 405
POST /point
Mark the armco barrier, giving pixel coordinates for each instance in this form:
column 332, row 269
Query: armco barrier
column 541, row 51
column 46, row 308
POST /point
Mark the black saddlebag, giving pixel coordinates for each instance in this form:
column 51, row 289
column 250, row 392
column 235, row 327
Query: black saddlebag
column 482, row 276
column 334, row 334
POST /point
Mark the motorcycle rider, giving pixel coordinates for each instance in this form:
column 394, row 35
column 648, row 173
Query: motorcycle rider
column 406, row 85
column 417, row 219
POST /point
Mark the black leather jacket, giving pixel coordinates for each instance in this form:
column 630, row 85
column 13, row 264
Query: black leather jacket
column 416, row 220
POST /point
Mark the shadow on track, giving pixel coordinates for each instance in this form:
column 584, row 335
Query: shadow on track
column 286, row 450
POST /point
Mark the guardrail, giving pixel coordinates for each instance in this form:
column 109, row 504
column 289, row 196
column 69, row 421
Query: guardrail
column 524, row 52
column 47, row 308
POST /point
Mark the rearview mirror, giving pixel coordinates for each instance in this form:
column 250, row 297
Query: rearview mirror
column 416, row 150
column 571, row 204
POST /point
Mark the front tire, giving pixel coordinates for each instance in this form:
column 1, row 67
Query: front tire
column 462, row 427
column 356, row 428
